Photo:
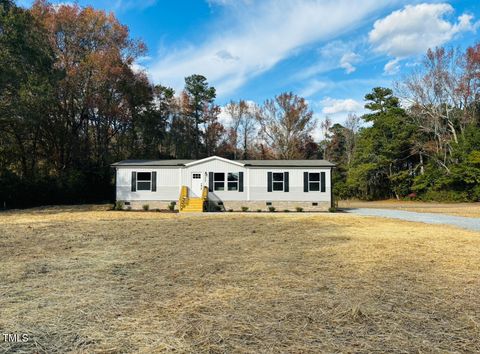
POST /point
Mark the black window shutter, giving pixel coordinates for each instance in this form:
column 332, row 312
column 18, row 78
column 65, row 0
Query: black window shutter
column 305, row 181
column 269, row 181
column 322, row 182
column 154, row 181
column 240, row 182
column 134, row 181
column 210, row 181
column 285, row 183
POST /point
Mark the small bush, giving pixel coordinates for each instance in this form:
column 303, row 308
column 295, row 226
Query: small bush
column 119, row 205
column 171, row 206
column 230, row 210
column 146, row 207
column 244, row 208
column 259, row 210
column 271, row 209
column 299, row 209
column 286, row 211
column 332, row 209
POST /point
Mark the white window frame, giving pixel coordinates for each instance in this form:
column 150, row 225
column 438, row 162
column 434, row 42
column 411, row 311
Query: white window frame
column 316, row 182
column 236, row 182
column 215, row 181
column 282, row 182
column 144, row 181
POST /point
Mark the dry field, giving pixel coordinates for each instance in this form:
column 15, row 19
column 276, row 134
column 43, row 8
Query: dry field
column 85, row 280
column 471, row 210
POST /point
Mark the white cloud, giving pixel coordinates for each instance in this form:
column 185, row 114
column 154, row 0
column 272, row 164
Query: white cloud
column 392, row 67
column 334, row 106
column 254, row 36
column 416, row 28
column 312, row 88
column 347, row 60
column 335, row 54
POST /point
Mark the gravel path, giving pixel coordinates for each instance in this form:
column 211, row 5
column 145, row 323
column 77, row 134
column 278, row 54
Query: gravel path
column 429, row 218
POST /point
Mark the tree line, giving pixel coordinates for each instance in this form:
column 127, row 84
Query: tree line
column 71, row 103
column 428, row 147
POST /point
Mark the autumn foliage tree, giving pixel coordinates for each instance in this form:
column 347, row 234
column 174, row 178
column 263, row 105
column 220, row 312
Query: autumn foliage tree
column 285, row 125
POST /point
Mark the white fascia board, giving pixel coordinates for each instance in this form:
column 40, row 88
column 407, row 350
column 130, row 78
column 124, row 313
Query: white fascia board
column 193, row 163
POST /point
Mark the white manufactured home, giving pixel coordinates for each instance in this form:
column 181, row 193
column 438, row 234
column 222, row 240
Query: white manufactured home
column 216, row 183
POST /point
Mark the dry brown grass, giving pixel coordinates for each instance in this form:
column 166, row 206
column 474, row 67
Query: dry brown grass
column 87, row 280
column 471, row 210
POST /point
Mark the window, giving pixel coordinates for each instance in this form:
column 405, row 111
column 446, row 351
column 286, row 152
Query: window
column 232, row 182
column 144, row 181
column 196, row 175
column 277, row 181
column 219, row 181
column 314, row 182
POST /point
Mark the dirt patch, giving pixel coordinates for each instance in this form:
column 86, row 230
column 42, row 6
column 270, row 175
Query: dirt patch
column 96, row 280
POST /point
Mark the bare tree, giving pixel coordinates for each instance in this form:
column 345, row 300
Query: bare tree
column 352, row 125
column 243, row 126
column 436, row 100
column 325, row 125
column 285, row 123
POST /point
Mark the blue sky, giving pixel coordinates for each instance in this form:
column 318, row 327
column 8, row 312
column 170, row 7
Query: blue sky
column 332, row 52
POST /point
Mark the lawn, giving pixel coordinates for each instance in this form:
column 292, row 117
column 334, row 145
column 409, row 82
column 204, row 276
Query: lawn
column 83, row 279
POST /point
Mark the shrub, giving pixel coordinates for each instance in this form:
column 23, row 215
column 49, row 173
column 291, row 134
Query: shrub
column 299, row 209
column 230, row 210
column 119, row 205
column 259, row 210
column 286, row 211
column 332, row 209
column 445, row 196
column 171, row 206
column 145, row 207
column 244, row 208
column 271, row 209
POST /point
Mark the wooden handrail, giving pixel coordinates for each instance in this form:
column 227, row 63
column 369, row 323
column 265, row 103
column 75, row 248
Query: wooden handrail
column 205, row 193
column 183, row 200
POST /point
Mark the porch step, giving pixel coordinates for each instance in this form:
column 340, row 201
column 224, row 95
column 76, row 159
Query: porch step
column 195, row 205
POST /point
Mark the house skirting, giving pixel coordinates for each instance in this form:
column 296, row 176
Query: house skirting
column 235, row 205
column 152, row 204
column 278, row 205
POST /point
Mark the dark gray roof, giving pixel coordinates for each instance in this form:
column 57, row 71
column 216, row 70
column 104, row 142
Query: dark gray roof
column 290, row 163
column 152, row 162
column 254, row 163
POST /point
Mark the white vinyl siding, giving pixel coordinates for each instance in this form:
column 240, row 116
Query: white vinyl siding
column 255, row 182
column 257, row 185
column 218, row 166
column 168, row 187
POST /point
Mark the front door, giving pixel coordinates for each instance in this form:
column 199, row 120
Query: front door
column 198, row 181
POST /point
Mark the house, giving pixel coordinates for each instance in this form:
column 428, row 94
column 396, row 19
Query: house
column 216, row 183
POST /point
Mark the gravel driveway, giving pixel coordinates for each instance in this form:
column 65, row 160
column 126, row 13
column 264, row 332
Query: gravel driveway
column 428, row 218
